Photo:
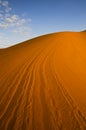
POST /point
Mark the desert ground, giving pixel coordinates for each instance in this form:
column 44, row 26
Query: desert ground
column 43, row 83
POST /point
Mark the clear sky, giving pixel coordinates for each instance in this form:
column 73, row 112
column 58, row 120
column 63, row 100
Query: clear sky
column 24, row 19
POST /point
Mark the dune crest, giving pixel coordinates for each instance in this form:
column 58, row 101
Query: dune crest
column 43, row 83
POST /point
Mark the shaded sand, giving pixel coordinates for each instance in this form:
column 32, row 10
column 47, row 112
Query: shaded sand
column 43, row 83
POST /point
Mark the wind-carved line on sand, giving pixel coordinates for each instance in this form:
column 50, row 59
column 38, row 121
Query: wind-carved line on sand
column 21, row 73
column 75, row 109
column 37, row 120
column 30, row 85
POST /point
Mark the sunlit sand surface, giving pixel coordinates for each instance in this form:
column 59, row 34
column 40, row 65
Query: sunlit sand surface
column 43, row 83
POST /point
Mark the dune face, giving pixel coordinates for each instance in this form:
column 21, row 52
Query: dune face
column 43, row 83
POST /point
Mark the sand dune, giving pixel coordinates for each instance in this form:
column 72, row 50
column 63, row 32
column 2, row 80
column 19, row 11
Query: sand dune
column 43, row 83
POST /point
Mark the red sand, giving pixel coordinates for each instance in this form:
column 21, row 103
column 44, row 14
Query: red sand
column 43, row 83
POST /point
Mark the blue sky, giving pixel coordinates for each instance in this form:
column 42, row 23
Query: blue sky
column 24, row 19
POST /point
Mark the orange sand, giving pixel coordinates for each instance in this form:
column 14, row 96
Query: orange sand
column 43, row 83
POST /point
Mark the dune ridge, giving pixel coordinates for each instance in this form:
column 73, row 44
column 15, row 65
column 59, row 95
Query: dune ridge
column 43, row 84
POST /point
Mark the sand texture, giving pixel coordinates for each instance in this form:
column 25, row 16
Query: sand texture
column 43, row 83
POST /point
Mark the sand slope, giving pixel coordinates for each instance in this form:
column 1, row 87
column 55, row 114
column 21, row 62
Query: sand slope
column 43, row 83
